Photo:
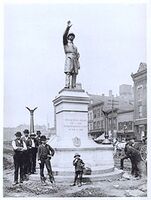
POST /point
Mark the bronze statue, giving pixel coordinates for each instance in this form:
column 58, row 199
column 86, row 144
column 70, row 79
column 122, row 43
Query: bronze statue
column 31, row 119
column 72, row 64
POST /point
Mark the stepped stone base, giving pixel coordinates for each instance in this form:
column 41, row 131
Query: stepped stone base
column 95, row 171
column 114, row 175
column 110, row 175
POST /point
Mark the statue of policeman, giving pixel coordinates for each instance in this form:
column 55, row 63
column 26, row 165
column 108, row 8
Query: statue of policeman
column 72, row 64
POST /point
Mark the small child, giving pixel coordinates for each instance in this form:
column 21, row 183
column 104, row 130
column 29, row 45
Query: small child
column 79, row 166
column 45, row 152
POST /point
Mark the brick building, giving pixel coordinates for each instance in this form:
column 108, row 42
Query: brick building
column 125, row 124
column 96, row 125
column 140, row 101
column 112, row 105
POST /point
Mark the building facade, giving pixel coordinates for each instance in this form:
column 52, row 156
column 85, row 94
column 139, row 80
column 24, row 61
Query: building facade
column 140, row 101
column 96, row 125
column 112, row 105
column 125, row 124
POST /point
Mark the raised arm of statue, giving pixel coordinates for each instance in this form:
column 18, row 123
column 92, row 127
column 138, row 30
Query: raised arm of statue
column 65, row 35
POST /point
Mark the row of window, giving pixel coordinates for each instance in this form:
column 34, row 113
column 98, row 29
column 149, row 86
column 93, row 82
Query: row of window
column 96, row 125
column 122, row 126
column 97, row 113
column 125, row 126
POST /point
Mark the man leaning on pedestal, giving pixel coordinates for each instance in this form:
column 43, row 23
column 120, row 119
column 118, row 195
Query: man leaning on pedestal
column 72, row 58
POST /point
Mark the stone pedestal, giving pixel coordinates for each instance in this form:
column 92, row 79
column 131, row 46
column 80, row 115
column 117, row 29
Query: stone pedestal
column 71, row 119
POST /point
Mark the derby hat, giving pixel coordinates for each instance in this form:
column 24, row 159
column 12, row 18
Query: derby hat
column 32, row 134
column 26, row 131
column 43, row 138
column 38, row 132
column 18, row 134
column 76, row 155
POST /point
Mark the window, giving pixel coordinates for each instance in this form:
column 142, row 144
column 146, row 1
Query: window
column 98, row 124
column 88, row 116
column 91, row 117
column 140, row 92
column 90, row 126
column 94, row 125
column 140, row 109
column 98, row 113
column 94, row 113
column 129, row 125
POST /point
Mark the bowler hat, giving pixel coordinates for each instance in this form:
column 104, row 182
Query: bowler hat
column 26, row 131
column 38, row 132
column 18, row 133
column 32, row 134
column 71, row 34
column 76, row 155
column 43, row 138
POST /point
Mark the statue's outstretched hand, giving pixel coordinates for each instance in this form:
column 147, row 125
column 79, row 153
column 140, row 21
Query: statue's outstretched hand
column 69, row 23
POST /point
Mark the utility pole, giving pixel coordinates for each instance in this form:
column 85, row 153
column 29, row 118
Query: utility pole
column 106, row 140
column 112, row 124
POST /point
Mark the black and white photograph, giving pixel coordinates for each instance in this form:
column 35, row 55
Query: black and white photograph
column 75, row 100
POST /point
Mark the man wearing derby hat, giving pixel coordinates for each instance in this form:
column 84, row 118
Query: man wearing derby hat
column 38, row 140
column 45, row 152
column 19, row 147
column 26, row 154
column 72, row 58
column 126, row 156
column 31, row 145
column 79, row 166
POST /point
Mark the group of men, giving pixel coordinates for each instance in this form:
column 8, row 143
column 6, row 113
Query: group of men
column 25, row 149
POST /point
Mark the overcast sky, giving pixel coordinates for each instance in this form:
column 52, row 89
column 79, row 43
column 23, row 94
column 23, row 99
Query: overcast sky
column 111, row 39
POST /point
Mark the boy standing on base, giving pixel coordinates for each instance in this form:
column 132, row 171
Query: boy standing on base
column 79, row 167
column 45, row 152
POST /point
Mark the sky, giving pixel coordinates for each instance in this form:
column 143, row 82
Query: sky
column 111, row 40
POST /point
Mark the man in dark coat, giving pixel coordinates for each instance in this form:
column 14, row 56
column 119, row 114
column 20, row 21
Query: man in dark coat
column 26, row 160
column 31, row 145
column 19, row 147
column 79, row 167
column 45, row 152
column 135, row 157
column 131, row 143
column 38, row 136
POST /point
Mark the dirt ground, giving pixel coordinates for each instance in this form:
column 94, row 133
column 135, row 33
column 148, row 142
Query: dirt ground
column 126, row 186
